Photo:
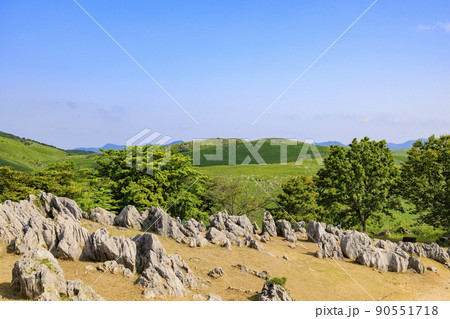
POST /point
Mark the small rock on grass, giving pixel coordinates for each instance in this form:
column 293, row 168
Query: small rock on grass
column 212, row 297
column 198, row 297
column 433, row 269
column 216, row 272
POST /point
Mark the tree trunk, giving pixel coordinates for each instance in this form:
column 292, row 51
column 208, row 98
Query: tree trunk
column 364, row 226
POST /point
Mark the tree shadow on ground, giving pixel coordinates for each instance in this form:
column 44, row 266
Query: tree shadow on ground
column 310, row 253
column 7, row 292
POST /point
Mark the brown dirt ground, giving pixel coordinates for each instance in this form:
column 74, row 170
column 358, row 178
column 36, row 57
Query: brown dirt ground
column 309, row 278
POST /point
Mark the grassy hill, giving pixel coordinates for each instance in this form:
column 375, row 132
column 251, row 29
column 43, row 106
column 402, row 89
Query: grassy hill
column 28, row 155
column 268, row 149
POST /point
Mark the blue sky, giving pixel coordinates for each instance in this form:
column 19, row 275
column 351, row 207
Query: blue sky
column 63, row 81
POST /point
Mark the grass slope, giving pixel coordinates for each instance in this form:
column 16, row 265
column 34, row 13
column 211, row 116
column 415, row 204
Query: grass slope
column 28, row 155
column 269, row 150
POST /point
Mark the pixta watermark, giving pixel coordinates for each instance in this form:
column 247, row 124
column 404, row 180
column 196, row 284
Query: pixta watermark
column 253, row 150
column 141, row 148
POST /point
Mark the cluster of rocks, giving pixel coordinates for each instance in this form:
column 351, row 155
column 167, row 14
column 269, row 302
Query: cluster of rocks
column 384, row 255
column 260, row 274
column 113, row 267
column 272, row 292
column 282, row 228
column 49, row 226
column 48, row 221
column 162, row 274
column 227, row 230
column 216, row 272
column 156, row 220
column 38, row 275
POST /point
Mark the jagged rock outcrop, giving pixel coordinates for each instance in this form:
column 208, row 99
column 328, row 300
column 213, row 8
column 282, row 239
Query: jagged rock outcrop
column 38, row 272
column 256, row 245
column 300, row 228
column 265, row 238
column 71, row 238
column 386, row 244
column 212, row 297
column 315, row 230
column 337, row 231
column 256, row 229
column 236, row 225
column 216, row 236
column 158, row 221
column 77, row 290
column 218, row 220
column 115, row 268
column 299, row 225
column 194, row 227
column 353, row 242
column 433, row 251
column 37, row 232
column 382, row 259
column 227, row 244
column 416, row 264
column 271, row 292
column 216, row 272
column 38, row 275
column 284, row 229
column 411, row 248
column 101, row 247
column 26, row 227
column 269, row 226
column 55, row 206
column 162, row 274
column 129, row 217
column 101, row 216
column 328, row 247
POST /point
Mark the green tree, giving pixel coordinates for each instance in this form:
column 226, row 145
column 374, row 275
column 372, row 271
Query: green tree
column 299, row 198
column 148, row 177
column 14, row 185
column 233, row 195
column 356, row 183
column 57, row 178
column 426, row 179
column 94, row 191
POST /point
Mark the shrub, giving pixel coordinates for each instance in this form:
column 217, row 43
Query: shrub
column 277, row 281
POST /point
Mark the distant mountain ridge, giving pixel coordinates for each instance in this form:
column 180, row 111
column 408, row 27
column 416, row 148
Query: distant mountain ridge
column 392, row 146
column 110, row 146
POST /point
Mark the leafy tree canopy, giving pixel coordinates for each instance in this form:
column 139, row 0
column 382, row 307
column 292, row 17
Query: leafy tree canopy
column 147, row 176
column 299, row 198
column 426, row 179
column 356, row 183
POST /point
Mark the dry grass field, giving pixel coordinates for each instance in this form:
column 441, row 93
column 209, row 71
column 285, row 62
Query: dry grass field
column 308, row 277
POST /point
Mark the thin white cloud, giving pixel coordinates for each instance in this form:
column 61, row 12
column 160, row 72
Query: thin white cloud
column 426, row 27
column 445, row 26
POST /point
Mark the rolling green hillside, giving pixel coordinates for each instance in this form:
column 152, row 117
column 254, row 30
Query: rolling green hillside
column 268, row 149
column 27, row 155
